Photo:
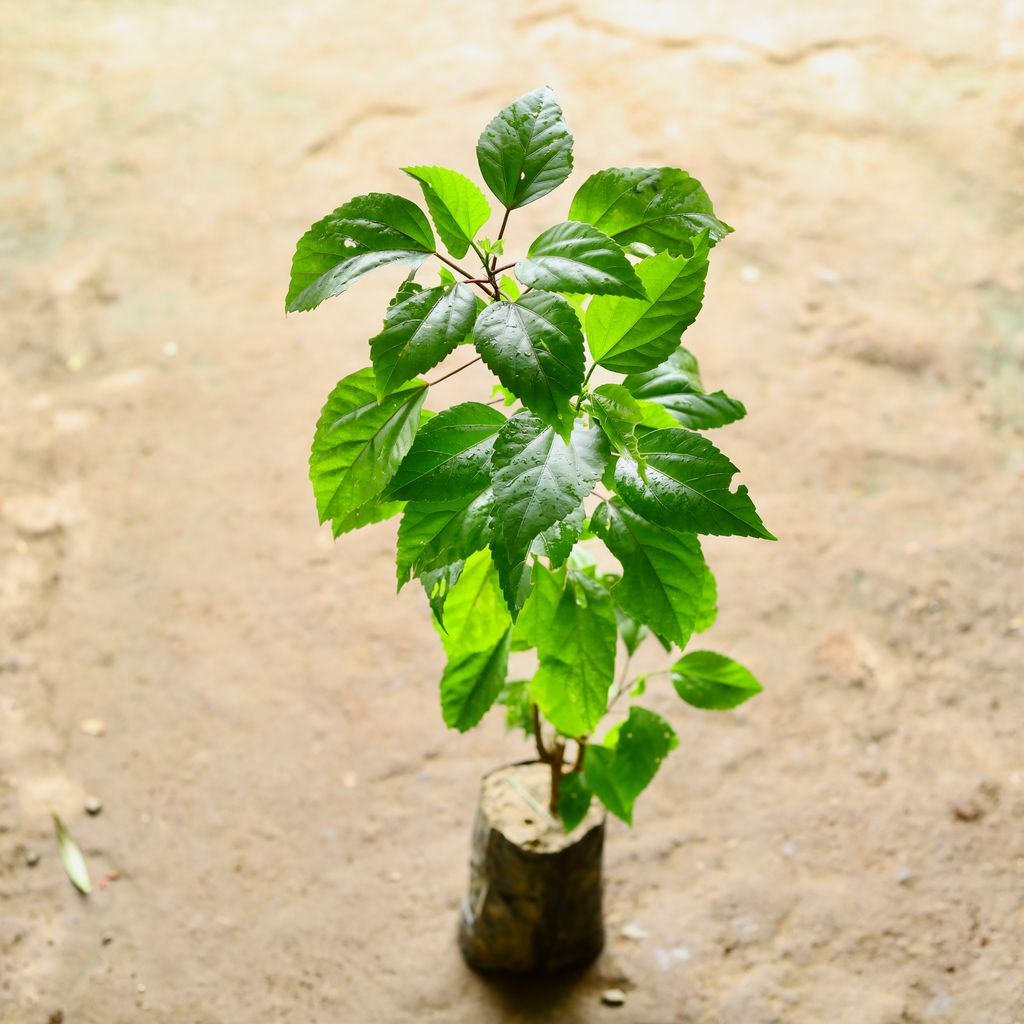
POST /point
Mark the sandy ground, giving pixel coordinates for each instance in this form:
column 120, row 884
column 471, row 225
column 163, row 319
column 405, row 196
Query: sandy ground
column 287, row 813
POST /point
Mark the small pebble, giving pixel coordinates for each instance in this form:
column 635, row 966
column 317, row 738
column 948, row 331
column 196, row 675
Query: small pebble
column 31, row 858
column 93, row 726
column 613, row 997
column 93, row 805
column 140, row 988
column 349, row 780
column 634, row 931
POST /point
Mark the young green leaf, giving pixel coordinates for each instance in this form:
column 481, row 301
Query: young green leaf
column 539, row 479
column 367, row 232
column 619, row 412
column 556, row 542
column 515, row 696
column 535, row 348
column 687, row 487
column 526, row 151
column 661, row 207
column 471, row 683
column 458, row 207
column 374, row 511
column 628, row 334
column 713, row 681
column 71, row 856
column 619, row 774
column 419, row 332
column 360, row 442
column 707, row 611
column 450, row 457
column 575, row 648
column 437, row 584
column 578, row 258
column 475, row 613
column 663, row 573
column 433, row 535
column 675, row 385
column 574, row 798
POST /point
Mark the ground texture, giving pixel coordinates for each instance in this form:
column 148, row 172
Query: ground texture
column 287, row 814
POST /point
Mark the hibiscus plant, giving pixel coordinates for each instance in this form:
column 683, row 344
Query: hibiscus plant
column 497, row 496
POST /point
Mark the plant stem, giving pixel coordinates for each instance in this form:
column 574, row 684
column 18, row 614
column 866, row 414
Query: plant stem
column 553, row 757
column 581, row 751
column 507, row 266
column 470, row 279
column 465, row 366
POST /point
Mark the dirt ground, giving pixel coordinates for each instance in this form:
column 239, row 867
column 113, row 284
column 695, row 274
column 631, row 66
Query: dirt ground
column 287, row 813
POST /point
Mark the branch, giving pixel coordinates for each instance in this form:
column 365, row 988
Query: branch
column 542, row 751
column 470, row 279
column 465, row 366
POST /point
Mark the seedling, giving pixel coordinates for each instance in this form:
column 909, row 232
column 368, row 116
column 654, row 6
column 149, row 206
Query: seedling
column 497, row 495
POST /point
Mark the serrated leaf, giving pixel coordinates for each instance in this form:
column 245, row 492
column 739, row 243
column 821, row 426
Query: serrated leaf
column 450, row 457
column 374, row 511
column 515, row 696
column 574, row 798
column 663, row 573
column 713, row 681
column 619, row 412
column 675, row 385
column 475, row 613
column 618, row 774
column 367, row 232
column 557, row 541
column 687, row 487
column 71, row 856
column 437, row 584
column 509, row 287
column 575, row 650
column 433, row 535
column 526, row 150
column 419, row 332
column 406, row 289
column 471, row 684
column 628, row 334
column 359, row 442
column 535, row 348
column 707, row 610
column 456, row 204
column 578, row 258
column 660, row 207
column 538, row 480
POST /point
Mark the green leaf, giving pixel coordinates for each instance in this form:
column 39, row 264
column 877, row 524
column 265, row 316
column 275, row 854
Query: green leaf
column 438, row 583
column 419, row 332
column 687, row 487
column 538, row 480
column 575, row 650
column 535, row 348
column 450, row 457
column 675, row 385
column 367, row 232
column 619, row 412
column 557, row 541
column 374, row 511
column 663, row 573
column 578, row 258
column 526, row 151
column 360, row 442
column 509, row 287
column 713, row 681
column 626, row 334
column 574, row 798
column 458, row 207
column 661, row 207
column 433, row 535
column 471, row 684
column 475, row 613
column 707, row 610
column 619, row 774
column 71, row 856
column 515, row 696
